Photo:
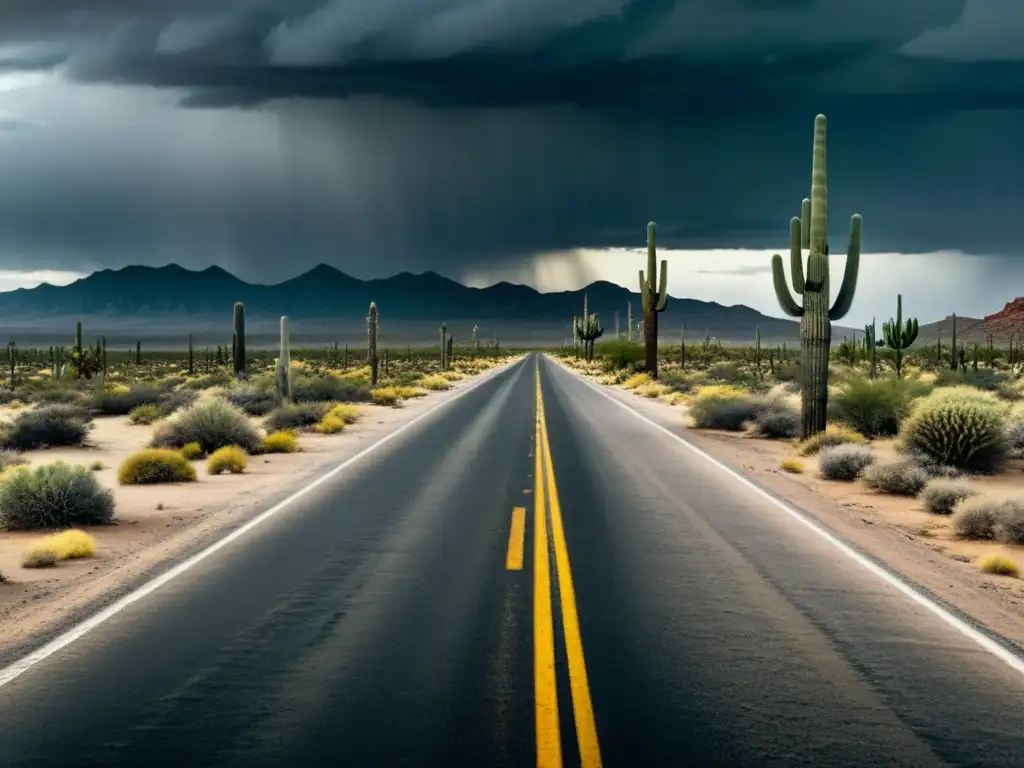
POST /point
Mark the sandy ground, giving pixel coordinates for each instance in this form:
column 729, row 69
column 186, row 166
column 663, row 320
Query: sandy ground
column 892, row 530
column 156, row 525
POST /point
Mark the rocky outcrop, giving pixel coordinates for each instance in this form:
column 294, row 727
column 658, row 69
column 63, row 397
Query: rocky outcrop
column 1009, row 320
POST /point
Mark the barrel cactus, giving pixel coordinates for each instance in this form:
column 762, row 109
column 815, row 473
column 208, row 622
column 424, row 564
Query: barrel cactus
column 810, row 231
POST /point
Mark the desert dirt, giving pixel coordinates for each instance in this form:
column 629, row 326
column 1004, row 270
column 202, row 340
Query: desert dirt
column 893, row 530
column 156, row 525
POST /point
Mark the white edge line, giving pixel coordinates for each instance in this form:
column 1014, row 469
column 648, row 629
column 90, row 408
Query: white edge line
column 17, row 668
column 987, row 643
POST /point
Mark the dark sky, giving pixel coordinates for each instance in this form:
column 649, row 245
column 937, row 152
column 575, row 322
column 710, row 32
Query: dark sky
column 458, row 135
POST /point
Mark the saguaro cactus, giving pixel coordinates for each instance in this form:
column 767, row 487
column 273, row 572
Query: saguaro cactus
column 682, row 345
column 372, row 323
column 870, row 345
column 811, row 231
column 899, row 336
column 588, row 328
column 629, row 322
column 653, row 297
column 443, row 330
column 954, row 360
column 238, row 339
column 191, row 358
column 284, row 365
column 474, row 342
column 448, row 354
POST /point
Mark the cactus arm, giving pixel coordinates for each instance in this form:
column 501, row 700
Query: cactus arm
column 911, row 332
column 786, row 301
column 805, row 223
column 796, row 256
column 663, row 292
column 644, row 299
column 844, row 300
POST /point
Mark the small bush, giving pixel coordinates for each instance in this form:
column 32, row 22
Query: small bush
column 1009, row 526
column 144, row 414
column 997, row 564
column 941, row 495
column 120, row 401
column 175, row 401
column 156, row 465
column 724, row 407
column 901, row 478
column 280, row 442
column 976, row 517
column 834, row 434
column 874, row 408
column 1016, row 435
column 434, row 383
column 55, row 495
column 71, row 544
column 255, row 402
column 347, row 413
column 408, row 393
column 9, row 458
column 39, row 556
column 386, row 396
column 230, row 458
column 51, row 426
column 329, row 425
column 96, row 466
column 792, row 466
column 619, row 354
column 636, row 380
column 213, row 423
column 959, row 427
column 845, row 462
column 295, row 416
column 777, row 421
column 191, row 451
column 325, row 388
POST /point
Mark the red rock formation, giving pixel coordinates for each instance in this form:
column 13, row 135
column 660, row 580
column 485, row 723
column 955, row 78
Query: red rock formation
column 1010, row 320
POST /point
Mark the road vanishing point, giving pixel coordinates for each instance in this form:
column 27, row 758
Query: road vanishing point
column 531, row 574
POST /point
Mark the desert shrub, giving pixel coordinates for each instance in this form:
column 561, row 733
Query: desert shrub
column 96, row 466
column 50, row 425
column 10, row 458
column 39, row 555
column 844, row 462
column 71, row 544
column 681, row 381
column 68, row 396
column 207, row 380
column 435, row 383
column 931, row 467
column 1009, row 525
column 122, row 401
column 175, row 401
column 637, row 380
column 1015, row 431
column 324, row 388
column 959, row 427
column 212, row 423
column 329, row 425
column 407, row 393
column 729, row 373
column 55, row 495
column 724, row 407
column 941, row 495
column 144, row 414
column 619, row 354
column 295, row 416
column 901, row 478
column 386, row 396
column 191, row 451
column 834, row 434
column 230, row 458
column 997, row 564
column 975, row 518
column 255, row 402
column 874, row 408
column 282, row 441
column 983, row 378
column 792, row 466
column 777, row 421
column 155, row 465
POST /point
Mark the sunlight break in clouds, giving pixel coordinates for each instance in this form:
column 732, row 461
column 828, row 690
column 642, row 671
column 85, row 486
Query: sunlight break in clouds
column 11, row 279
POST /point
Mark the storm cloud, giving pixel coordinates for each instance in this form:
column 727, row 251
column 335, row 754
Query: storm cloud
column 384, row 135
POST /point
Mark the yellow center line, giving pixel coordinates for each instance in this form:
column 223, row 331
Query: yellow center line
column 583, row 708
column 516, row 540
column 549, row 744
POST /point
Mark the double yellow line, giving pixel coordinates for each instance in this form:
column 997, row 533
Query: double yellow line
column 549, row 744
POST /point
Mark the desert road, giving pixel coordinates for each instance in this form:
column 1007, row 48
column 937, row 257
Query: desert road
column 529, row 576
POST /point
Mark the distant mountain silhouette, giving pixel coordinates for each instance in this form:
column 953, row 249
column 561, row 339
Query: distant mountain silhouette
column 173, row 292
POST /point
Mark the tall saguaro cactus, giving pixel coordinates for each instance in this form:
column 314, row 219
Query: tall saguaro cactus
column 871, row 345
column 588, row 328
column 238, row 339
column 653, row 297
column 899, row 335
column 284, row 365
column 443, row 330
column 810, row 231
column 372, row 324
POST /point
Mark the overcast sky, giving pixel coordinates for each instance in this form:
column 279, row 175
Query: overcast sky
column 528, row 140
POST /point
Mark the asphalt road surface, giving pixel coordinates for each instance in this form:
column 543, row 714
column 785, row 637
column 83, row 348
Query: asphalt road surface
column 522, row 579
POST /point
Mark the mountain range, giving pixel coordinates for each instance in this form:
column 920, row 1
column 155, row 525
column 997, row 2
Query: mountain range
column 173, row 295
